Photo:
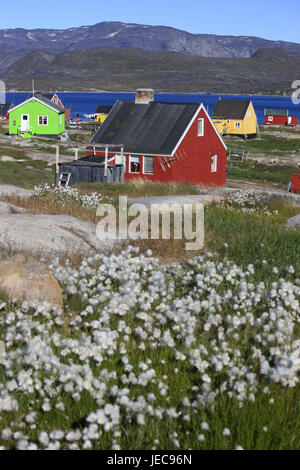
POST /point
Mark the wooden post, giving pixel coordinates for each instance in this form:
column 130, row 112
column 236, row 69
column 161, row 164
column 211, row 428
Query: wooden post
column 56, row 166
column 106, row 162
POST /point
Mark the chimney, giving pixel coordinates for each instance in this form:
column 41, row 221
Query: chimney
column 144, row 96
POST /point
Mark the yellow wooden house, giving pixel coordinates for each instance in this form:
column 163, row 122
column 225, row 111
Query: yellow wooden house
column 101, row 113
column 235, row 117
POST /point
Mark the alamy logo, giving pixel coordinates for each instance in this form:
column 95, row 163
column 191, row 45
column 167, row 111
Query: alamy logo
column 296, row 93
column 187, row 222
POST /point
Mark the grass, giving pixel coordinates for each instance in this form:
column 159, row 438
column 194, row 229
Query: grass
column 252, row 171
column 268, row 145
column 138, row 188
column 16, row 174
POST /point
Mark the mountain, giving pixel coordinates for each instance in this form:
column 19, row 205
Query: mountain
column 268, row 71
column 15, row 43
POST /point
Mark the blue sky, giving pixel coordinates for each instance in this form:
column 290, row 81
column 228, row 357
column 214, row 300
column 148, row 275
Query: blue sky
column 271, row 19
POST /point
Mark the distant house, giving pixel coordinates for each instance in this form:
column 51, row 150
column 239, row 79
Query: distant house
column 101, row 113
column 279, row 117
column 4, row 108
column 36, row 116
column 54, row 98
column 235, row 117
column 160, row 142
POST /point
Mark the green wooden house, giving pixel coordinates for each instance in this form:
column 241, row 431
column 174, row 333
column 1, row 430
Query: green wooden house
column 36, row 116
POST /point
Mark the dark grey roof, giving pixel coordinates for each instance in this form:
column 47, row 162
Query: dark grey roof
column 4, row 108
column 152, row 129
column 230, row 109
column 43, row 97
column 103, row 109
column 276, row 112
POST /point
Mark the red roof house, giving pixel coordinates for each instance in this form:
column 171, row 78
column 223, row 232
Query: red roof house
column 4, row 108
column 162, row 142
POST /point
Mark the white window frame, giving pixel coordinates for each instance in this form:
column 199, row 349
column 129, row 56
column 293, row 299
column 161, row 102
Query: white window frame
column 214, row 163
column 270, row 119
column 201, row 129
column 144, row 172
column 237, row 125
column 43, row 119
column 131, row 158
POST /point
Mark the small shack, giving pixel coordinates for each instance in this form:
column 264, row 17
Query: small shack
column 91, row 169
column 235, row 117
column 279, row 117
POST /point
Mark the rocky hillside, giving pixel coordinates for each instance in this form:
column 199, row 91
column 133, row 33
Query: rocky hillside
column 17, row 42
column 269, row 71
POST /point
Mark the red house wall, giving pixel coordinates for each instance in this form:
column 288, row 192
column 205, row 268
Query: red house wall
column 195, row 166
column 281, row 121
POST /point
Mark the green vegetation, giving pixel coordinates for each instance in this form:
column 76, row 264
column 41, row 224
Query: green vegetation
column 138, row 188
column 16, row 174
column 252, row 171
column 268, row 145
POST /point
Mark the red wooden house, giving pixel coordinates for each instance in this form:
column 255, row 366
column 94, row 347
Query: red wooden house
column 162, row 142
column 4, row 108
column 279, row 117
column 295, row 180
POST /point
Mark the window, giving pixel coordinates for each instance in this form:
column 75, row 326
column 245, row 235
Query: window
column 148, row 166
column 249, row 113
column 237, row 125
column 214, row 163
column 43, row 120
column 270, row 118
column 201, row 127
column 134, row 164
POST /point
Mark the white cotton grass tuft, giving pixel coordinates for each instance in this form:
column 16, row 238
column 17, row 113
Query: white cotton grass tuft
column 115, row 351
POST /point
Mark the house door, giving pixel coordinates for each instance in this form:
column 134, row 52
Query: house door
column 24, row 122
column 289, row 120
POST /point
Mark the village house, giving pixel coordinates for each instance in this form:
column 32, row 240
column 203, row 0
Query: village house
column 4, row 108
column 279, row 117
column 36, row 116
column 160, row 142
column 102, row 112
column 235, row 117
column 54, row 98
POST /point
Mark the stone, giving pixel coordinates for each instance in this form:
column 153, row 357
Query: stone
column 50, row 235
column 11, row 190
column 7, row 208
column 24, row 278
column 293, row 221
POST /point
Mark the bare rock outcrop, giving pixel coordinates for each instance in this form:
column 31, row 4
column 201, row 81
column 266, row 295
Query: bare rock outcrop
column 24, row 278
